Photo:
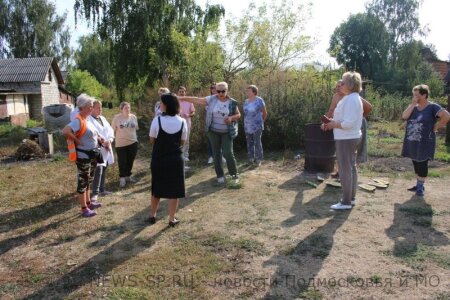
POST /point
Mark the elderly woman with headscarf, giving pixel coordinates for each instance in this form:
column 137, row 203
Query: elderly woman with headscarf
column 86, row 153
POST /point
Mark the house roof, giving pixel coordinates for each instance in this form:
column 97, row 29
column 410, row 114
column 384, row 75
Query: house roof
column 29, row 69
column 442, row 67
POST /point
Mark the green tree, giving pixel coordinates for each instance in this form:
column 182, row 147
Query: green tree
column 32, row 29
column 94, row 56
column 79, row 82
column 267, row 38
column 401, row 18
column 411, row 69
column 361, row 43
column 145, row 35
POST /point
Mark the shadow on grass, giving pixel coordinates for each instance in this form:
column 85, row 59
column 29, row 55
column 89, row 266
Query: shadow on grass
column 316, row 208
column 31, row 215
column 412, row 228
column 17, row 241
column 102, row 263
column 296, row 265
column 304, row 261
column 117, row 253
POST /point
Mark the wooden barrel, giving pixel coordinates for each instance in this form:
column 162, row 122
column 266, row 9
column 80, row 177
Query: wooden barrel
column 320, row 150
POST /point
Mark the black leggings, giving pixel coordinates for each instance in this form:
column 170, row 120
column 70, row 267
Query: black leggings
column 421, row 168
column 126, row 156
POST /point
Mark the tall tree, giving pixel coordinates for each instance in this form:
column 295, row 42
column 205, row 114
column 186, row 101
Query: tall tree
column 32, row 28
column 361, row 43
column 94, row 56
column 145, row 34
column 401, row 18
column 267, row 38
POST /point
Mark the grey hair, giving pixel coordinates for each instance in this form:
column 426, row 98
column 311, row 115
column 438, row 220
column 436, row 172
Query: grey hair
column 84, row 100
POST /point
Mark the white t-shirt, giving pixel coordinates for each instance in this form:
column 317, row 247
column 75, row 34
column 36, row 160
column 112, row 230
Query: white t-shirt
column 349, row 112
column 219, row 113
column 170, row 125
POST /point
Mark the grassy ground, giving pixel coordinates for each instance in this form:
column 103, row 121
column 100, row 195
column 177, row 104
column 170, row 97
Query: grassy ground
column 274, row 238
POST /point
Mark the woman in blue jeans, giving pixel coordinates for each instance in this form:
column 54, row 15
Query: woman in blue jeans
column 222, row 115
column 255, row 115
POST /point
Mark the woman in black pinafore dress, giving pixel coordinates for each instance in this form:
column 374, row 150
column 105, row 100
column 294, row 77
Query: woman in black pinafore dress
column 167, row 134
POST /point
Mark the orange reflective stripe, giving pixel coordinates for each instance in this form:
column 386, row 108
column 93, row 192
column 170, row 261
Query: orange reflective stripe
column 79, row 134
column 83, row 126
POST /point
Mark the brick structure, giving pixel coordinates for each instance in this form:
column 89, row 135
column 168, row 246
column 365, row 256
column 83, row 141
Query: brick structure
column 29, row 84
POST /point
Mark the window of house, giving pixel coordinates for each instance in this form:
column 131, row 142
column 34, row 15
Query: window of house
column 2, row 99
column 50, row 75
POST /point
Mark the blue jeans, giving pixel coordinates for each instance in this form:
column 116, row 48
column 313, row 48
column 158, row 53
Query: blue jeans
column 254, row 145
column 98, row 185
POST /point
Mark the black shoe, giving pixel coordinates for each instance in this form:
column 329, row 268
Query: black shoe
column 151, row 220
column 174, row 223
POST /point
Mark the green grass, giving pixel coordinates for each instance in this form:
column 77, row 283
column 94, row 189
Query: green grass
column 434, row 174
column 376, row 278
column 128, row 293
column 418, row 211
column 416, row 255
column 221, row 242
column 312, row 295
column 386, row 140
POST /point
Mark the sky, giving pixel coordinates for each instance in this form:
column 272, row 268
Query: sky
column 326, row 15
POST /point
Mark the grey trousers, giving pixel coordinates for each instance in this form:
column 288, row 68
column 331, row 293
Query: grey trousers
column 362, row 156
column 346, row 158
column 254, row 146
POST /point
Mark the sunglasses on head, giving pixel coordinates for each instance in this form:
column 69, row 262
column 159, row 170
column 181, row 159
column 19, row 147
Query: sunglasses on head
column 220, row 92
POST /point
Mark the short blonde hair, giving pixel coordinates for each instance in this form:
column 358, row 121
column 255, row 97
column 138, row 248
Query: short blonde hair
column 222, row 84
column 353, row 81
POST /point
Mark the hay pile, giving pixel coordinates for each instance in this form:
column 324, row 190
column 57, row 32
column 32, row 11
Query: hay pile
column 29, row 150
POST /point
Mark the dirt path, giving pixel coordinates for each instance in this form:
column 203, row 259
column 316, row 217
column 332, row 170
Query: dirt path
column 275, row 238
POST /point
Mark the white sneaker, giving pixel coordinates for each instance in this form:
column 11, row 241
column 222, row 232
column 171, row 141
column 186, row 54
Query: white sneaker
column 122, row 182
column 353, row 202
column 210, row 160
column 221, row 180
column 224, row 160
column 94, row 198
column 340, row 206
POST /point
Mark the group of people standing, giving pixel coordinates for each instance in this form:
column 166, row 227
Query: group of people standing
column 93, row 136
column 171, row 126
column 169, row 134
column 346, row 117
